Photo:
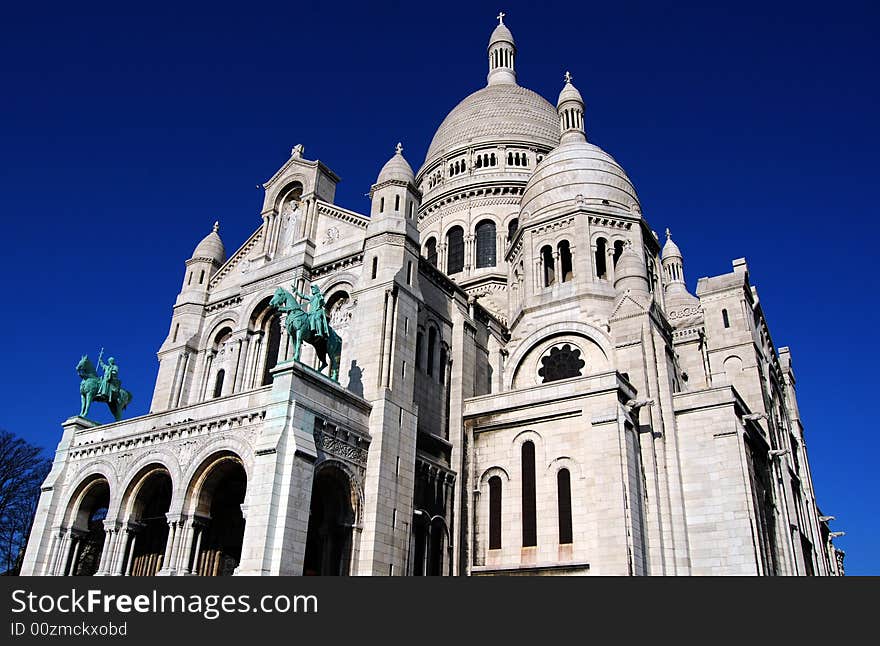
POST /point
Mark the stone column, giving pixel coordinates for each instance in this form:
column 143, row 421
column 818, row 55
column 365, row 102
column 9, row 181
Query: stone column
column 107, row 551
column 609, row 263
column 165, row 570
column 241, row 372
column 62, row 554
column 77, row 544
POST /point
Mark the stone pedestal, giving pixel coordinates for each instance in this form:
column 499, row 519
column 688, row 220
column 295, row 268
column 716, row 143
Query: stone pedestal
column 279, row 494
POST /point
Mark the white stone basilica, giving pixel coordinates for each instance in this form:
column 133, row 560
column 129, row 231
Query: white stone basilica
column 527, row 386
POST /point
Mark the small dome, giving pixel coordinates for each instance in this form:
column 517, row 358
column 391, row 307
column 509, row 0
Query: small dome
column 670, row 249
column 569, row 93
column 577, row 172
column 501, row 34
column 396, row 168
column 211, row 247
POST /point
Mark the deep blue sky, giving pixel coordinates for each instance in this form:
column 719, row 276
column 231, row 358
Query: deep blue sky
column 749, row 130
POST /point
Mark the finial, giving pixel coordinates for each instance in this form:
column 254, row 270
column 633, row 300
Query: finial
column 568, row 77
column 297, row 151
column 216, row 226
column 399, row 148
column 668, row 235
column 500, row 17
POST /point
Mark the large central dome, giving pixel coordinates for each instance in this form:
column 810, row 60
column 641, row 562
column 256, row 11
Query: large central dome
column 503, row 111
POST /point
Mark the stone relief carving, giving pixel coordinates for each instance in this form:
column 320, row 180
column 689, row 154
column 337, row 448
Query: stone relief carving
column 332, row 235
column 341, row 313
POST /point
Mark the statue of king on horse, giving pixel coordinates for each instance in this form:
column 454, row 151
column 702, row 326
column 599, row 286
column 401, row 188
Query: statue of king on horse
column 311, row 327
column 106, row 388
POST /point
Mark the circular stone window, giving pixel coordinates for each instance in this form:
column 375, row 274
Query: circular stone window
column 561, row 362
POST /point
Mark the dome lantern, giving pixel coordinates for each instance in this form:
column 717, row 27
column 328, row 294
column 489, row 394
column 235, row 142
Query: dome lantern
column 570, row 107
column 502, row 52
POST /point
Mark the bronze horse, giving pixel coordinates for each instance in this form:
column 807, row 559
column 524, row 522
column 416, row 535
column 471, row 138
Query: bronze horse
column 297, row 325
column 90, row 386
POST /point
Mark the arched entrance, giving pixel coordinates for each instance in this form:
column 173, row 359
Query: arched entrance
column 87, row 528
column 217, row 495
column 151, row 501
column 331, row 519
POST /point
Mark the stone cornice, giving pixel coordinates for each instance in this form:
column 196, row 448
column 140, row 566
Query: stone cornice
column 171, row 431
column 339, row 264
column 345, row 215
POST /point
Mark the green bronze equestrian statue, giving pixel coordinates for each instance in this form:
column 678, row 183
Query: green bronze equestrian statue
column 311, row 327
column 106, row 388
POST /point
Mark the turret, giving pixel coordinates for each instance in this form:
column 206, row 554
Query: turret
column 502, row 52
column 675, row 289
column 395, row 198
column 207, row 258
column 630, row 272
column 570, row 107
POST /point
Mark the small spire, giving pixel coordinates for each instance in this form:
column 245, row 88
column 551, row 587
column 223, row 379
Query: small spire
column 216, row 226
column 568, row 77
column 668, row 235
column 500, row 17
column 399, row 148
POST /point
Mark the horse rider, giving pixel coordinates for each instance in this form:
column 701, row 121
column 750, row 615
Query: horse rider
column 317, row 313
column 110, row 379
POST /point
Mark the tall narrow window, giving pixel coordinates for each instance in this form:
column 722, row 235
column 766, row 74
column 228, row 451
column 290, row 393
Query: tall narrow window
column 725, row 318
column 601, row 269
column 202, row 277
column 419, row 339
column 455, row 250
column 411, row 205
column 432, row 341
column 218, row 383
column 563, row 489
column 565, row 266
column 618, row 251
column 176, row 330
column 549, row 268
column 486, row 244
column 190, row 279
column 375, row 265
column 431, row 252
column 273, row 346
column 409, row 273
column 442, row 366
column 494, row 513
column 529, row 511
column 512, row 226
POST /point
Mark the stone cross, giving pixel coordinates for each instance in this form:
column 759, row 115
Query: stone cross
column 668, row 235
column 399, row 148
column 501, row 17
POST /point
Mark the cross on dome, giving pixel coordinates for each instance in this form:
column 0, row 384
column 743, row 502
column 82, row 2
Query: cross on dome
column 216, row 226
column 500, row 17
column 668, row 234
column 568, row 77
column 399, row 148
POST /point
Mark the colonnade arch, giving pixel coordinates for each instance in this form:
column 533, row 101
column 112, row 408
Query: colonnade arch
column 147, row 504
column 213, row 502
column 82, row 553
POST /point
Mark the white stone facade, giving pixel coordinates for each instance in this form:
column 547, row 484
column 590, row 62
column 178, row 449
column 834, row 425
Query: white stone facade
column 526, row 386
